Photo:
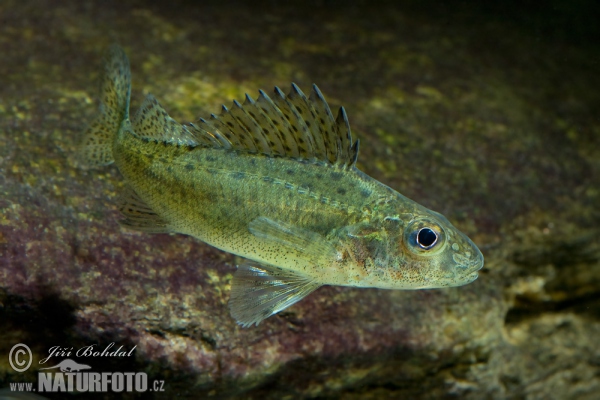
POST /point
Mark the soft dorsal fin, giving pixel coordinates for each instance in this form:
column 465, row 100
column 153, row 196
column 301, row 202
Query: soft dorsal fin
column 292, row 126
column 152, row 121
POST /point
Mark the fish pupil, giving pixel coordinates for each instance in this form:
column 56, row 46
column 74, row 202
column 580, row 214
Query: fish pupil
column 426, row 238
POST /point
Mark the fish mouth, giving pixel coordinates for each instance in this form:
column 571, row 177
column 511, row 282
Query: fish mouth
column 470, row 271
column 476, row 266
column 463, row 279
column 472, row 276
column 472, row 266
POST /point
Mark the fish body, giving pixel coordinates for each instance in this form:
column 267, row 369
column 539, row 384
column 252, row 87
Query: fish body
column 273, row 181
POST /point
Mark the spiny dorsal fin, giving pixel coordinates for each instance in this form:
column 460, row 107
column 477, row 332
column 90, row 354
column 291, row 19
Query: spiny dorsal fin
column 327, row 125
column 278, row 124
column 288, row 126
column 297, row 100
column 266, row 125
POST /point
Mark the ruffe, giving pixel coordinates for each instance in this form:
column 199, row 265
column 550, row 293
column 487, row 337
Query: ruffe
column 273, row 180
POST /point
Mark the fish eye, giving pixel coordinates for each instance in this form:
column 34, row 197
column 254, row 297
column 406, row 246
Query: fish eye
column 426, row 238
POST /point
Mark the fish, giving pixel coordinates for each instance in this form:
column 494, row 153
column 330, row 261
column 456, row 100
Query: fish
column 274, row 181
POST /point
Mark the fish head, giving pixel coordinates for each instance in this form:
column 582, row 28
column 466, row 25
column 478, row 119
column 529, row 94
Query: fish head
column 415, row 249
column 432, row 253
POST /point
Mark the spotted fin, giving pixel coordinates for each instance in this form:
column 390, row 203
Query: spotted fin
column 259, row 291
column 115, row 89
column 293, row 126
column 305, row 241
column 297, row 102
column 151, row 121
column 138, row 215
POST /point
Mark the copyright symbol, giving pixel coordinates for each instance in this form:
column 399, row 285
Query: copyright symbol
column 19, row 355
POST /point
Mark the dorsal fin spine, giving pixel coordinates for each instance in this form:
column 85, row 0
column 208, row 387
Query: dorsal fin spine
column 298, row 129
column 291, row 126
column 251, row 127
column 329, row 130
column 288, row 141
column 294, row 101
column 355, row 153
column 209, row 129
column 265, row 120
column 345, row 134
column 215, row 136
column 279, row 93
column 298, row 101
column 221, row 126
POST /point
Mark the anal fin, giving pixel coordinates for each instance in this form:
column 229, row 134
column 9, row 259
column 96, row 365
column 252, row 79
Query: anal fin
column 138, row 215
column 259, row 291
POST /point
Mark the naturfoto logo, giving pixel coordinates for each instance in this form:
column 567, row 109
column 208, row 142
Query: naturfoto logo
column 68, row 375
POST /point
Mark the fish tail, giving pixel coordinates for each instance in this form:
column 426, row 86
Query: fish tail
column 115, row 89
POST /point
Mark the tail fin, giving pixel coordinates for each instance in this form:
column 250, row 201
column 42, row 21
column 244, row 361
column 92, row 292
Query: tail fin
column 96, row 149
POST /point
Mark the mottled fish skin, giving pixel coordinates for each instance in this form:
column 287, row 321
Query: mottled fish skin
column 274, row 181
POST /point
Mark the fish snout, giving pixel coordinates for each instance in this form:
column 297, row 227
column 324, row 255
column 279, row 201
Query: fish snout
column 468, row 259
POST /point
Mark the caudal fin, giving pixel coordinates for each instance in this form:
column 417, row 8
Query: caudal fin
column 96, row 148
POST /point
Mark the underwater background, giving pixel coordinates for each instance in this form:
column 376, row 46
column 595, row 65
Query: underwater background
column 486, row 113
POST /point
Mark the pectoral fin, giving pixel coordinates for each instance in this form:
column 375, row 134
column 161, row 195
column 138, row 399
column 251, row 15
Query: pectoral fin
column 305, row 241
column 259, row 291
